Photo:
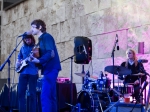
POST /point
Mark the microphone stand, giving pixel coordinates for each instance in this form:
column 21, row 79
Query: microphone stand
column 112, row 55
column 71, row 57
column 3, row 65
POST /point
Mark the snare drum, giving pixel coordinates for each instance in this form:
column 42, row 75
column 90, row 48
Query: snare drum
column 92, row 101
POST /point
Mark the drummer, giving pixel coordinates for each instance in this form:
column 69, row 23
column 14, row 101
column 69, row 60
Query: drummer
column 137, row 72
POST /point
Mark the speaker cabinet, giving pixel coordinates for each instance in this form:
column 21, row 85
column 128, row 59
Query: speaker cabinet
column 82, row 50
column 127, row 107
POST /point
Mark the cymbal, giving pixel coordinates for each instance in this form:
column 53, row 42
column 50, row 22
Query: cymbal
column 117, row 70
column 83, row 75
column 80, row 74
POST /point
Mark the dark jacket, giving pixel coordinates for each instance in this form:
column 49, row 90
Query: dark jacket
column 48, row 62
column 131, row 78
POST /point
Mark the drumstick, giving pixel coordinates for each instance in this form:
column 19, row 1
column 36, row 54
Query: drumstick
column 129, row 83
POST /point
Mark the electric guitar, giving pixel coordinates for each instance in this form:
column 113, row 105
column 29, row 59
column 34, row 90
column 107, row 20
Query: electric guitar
column 24, row 63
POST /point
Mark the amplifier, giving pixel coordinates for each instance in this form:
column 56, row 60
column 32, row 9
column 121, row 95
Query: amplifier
column 127, row 107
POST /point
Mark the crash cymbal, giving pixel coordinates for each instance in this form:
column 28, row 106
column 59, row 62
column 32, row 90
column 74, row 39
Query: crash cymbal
column 83, row 75
column 117, row 70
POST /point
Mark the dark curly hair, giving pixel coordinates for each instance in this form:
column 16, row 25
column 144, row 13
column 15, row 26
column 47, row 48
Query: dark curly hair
column 29, row 36
column 38, row 23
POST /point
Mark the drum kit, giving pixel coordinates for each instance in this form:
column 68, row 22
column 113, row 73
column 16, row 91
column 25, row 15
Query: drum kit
column 95, row 94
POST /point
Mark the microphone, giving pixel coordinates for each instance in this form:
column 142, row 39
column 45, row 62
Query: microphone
column 26, row 33
column 84, row 49
column 23, row 35
column 143, row 60
column 117, row 42
column 144, row 87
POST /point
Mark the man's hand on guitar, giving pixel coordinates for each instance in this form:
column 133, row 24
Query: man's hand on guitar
column 34, row 60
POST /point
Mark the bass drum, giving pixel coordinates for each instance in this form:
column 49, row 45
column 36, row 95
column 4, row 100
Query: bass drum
column 93, row 101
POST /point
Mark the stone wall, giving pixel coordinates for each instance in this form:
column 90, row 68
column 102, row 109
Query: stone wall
column 99, row 20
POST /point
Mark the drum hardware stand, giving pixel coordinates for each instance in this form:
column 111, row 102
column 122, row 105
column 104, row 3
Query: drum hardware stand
column 113, row 105
column 140, row 88
column 144, row 87
column 119, row 94
column 143, row 70
column 118, row 82
column 83, row 72
column 8, row 80
column 148, row 97
column 85, row 81
column 77, row 106
column 99, row 105
column 71, row 57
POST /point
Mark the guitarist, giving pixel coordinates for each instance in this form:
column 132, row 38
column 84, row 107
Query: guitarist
column 50, row 63
column 28, row 75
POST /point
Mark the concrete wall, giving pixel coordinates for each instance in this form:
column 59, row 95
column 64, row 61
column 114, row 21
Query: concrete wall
column 99, row 20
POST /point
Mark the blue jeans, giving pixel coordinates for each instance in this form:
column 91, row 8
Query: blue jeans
column 48, row 93
column 24, row 80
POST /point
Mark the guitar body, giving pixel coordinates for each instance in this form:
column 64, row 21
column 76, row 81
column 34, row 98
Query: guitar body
column 35, row 52
column 23, row 64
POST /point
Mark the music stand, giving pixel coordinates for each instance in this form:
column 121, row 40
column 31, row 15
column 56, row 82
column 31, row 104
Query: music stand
column 3, row 65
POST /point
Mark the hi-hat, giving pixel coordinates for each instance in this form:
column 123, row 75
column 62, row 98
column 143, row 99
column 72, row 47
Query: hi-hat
column 118, row 70
column 83, row 75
